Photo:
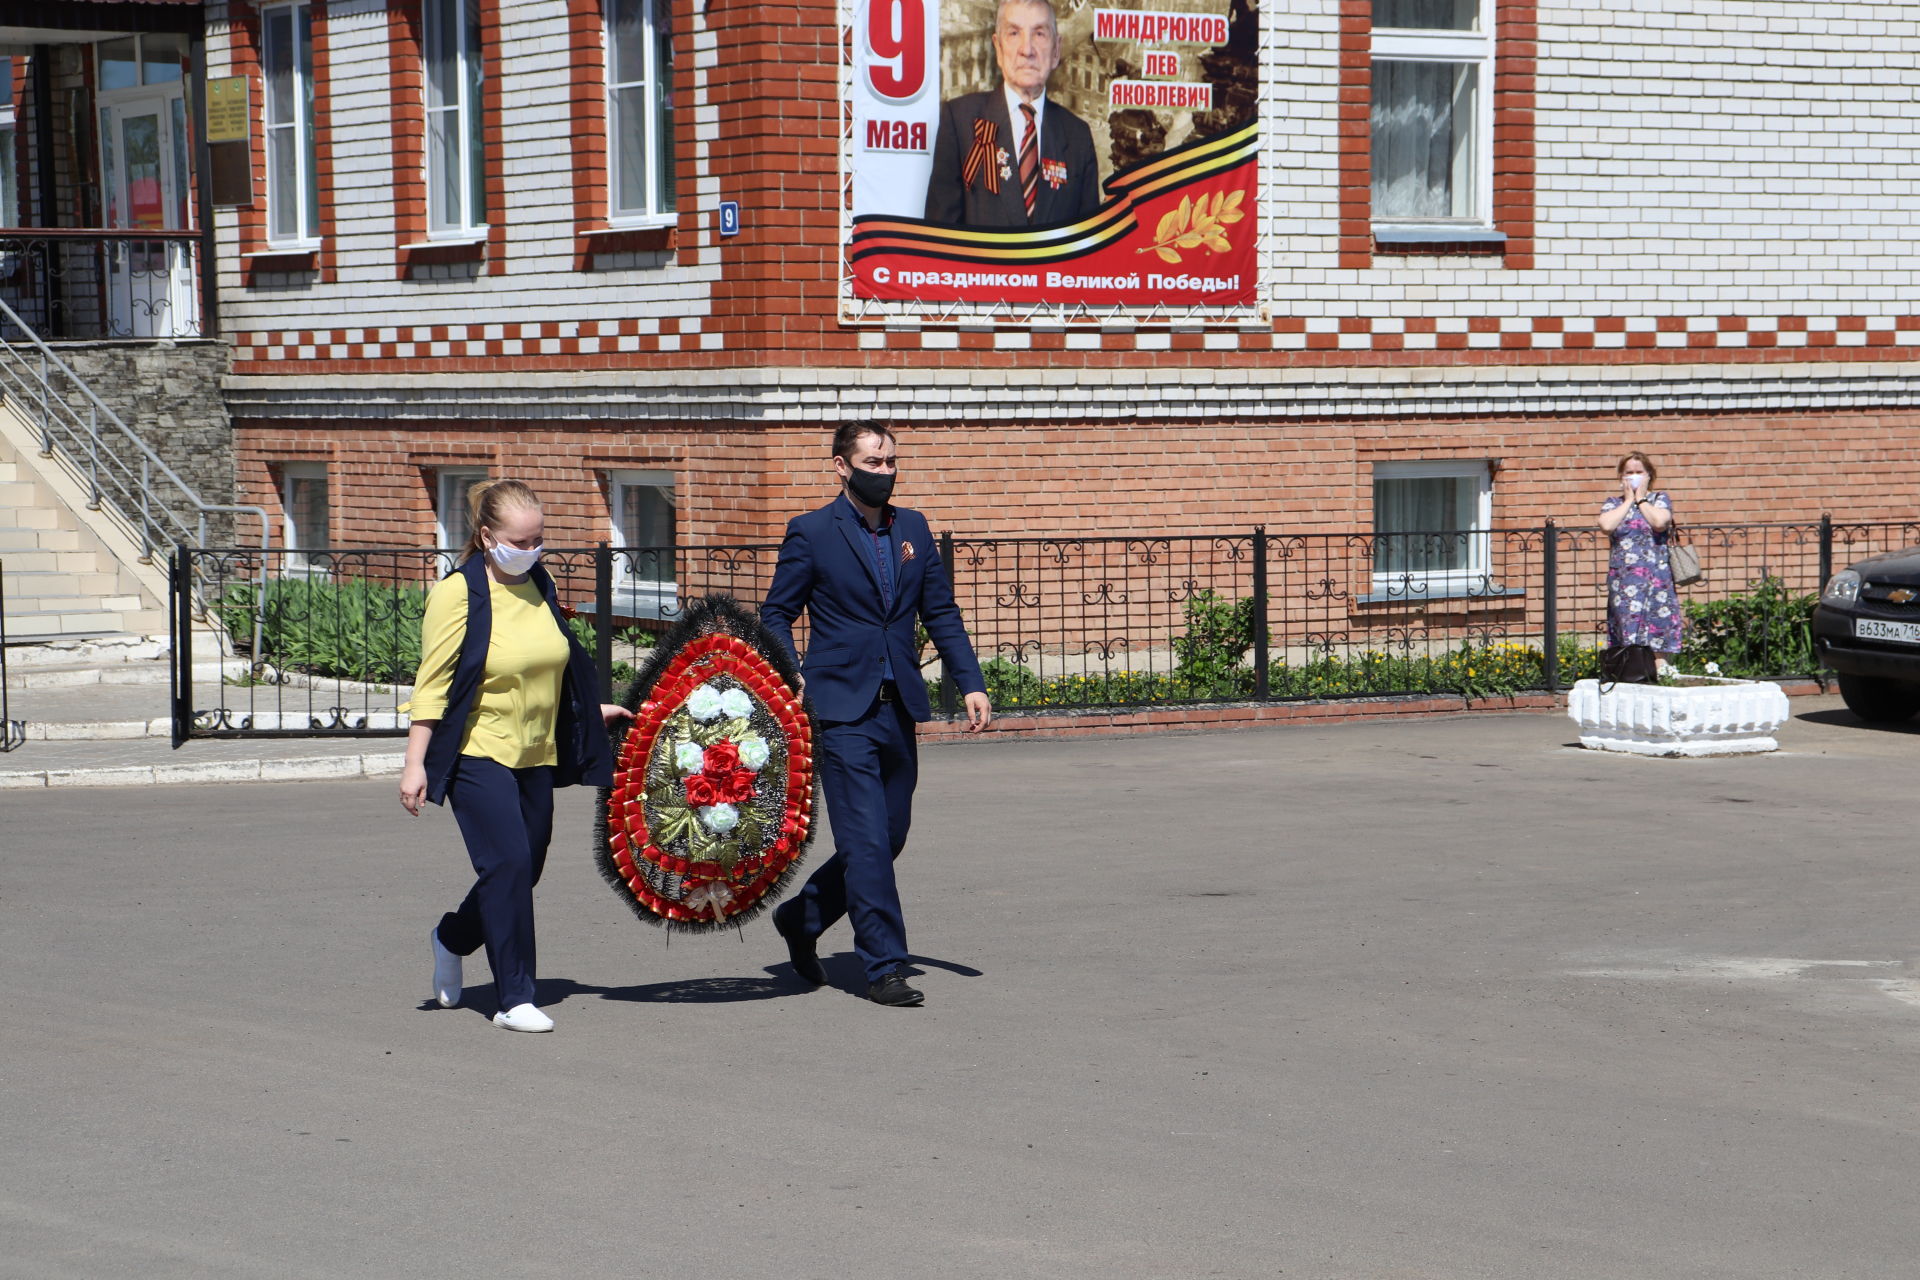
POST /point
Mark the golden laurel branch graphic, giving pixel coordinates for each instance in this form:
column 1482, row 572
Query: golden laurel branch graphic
column 1195, row 224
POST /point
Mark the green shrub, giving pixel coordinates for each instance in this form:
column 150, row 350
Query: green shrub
column 1765, row 632
column 1577, row 661
column 627, row 642
column 355, row 629
column 351, row 629
column 1210, row 654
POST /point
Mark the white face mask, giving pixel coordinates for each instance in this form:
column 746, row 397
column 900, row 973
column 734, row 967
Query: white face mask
column 513, row 560
column 1636, row 479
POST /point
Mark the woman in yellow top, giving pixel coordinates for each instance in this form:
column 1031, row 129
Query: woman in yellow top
column 505, row 708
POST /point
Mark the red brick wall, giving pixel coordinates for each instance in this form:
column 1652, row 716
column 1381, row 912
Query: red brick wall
column 741, row 483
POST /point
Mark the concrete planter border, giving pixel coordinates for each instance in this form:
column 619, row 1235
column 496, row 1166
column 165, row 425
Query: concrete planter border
column 1700, row 716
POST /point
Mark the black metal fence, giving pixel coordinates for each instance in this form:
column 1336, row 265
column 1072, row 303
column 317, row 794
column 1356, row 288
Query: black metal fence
column 68, row 284
column 1249, row 615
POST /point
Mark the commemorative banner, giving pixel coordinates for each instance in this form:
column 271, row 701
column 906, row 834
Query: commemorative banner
column 1096, row 153
column 711, row 808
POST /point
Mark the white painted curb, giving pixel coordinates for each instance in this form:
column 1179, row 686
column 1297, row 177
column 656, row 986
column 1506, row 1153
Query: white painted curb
column 311, row 768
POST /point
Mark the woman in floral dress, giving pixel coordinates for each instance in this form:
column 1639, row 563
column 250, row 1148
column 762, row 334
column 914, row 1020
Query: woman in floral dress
column 1642, row 605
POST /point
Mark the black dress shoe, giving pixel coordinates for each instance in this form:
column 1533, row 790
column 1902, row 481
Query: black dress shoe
column 893, row 990
column 806, row 962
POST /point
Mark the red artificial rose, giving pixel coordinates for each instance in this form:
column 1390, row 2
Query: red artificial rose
column 701, row 791
column 722, row 758
column 740, row 786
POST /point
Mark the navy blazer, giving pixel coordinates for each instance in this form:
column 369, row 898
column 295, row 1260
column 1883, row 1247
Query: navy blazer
column 826, row 569
column 582, row 749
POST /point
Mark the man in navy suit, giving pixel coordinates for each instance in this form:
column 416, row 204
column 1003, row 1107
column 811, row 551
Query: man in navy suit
column 864, row 570
column 1012, row 157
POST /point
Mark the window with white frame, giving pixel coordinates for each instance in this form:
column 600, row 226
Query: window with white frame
column 1431, row 522
column 303, row 503
column 456, row 199
column 642, row 512
column 640, row 110
column 453, row 517
column 1432, row 129
column 293, row 183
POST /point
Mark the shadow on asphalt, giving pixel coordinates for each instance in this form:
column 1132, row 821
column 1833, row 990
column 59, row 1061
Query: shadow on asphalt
column 729, row 990
column 1848, row 720
column 844, row 973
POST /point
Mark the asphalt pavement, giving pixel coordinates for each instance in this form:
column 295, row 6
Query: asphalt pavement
column 1437, row 999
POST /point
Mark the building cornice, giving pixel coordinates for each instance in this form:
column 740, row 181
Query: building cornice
column 1134, row 394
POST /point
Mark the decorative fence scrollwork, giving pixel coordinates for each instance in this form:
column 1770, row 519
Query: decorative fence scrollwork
column 1058, row 622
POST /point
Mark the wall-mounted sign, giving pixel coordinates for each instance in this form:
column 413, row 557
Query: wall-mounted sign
column 729, row 217
column 229, row 109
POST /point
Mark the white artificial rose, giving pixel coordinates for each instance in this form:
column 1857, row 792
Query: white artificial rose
column 736, row 704
column 720, row 818
column 703, row 704
column 689, row 758
column 754, row 752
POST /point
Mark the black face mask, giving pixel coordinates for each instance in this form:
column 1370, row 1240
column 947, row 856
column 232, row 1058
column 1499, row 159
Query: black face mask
column 872, row 488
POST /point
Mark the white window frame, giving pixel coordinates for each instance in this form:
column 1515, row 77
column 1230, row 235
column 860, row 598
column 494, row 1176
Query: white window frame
column 450, row 485
column 653, row 215
column 298, row 562
column 297, row 132
column 1475, row 48
column 1476, row 578
column 635, row 597
column 465, row 226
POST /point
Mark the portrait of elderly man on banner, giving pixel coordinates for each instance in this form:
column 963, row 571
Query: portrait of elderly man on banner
column 1078, row 153
column 1007, row 156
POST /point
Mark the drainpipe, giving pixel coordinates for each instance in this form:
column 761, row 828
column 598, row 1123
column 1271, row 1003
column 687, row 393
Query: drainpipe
column 49, row 185
column 203, row 188
column 43, row 134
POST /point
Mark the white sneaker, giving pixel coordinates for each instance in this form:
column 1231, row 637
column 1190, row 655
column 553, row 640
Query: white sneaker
column 446, row 972
column 523, row 1017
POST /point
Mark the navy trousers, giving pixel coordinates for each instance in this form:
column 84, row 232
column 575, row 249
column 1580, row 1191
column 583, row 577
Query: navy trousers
column 867, row 770
column 506, row 817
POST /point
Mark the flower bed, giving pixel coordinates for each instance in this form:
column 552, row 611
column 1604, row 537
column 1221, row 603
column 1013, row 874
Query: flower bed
column 1500, row 669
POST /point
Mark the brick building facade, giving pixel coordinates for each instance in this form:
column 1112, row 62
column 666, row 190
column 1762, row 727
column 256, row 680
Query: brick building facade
column 1695, row 239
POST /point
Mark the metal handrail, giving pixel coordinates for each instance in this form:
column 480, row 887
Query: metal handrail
column 75, row 438
column 12, row 732
column 120, row 469
column 93, row 233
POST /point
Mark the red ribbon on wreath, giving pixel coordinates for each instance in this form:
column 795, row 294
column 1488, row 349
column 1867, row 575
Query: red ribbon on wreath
column 985, row 133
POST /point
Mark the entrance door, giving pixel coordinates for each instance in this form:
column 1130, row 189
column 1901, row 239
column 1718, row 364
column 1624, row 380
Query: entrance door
column 149, row 283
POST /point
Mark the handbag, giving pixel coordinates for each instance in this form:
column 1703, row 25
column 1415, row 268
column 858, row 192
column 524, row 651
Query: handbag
column 1628, row 664
column 1685, row 563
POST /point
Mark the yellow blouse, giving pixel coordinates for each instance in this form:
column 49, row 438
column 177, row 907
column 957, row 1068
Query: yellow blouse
column 517, row 709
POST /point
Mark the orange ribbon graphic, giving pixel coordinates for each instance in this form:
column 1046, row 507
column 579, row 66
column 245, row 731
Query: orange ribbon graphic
column 985, row 134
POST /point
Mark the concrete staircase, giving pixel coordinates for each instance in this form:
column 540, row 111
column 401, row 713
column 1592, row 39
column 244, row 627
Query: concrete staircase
column 66, row 585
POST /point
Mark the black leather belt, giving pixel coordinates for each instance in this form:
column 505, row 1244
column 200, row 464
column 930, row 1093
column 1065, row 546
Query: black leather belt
column 889, row 691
